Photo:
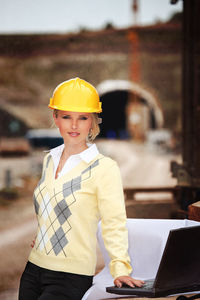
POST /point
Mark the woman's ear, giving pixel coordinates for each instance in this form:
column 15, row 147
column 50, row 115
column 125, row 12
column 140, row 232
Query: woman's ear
column 55, row 118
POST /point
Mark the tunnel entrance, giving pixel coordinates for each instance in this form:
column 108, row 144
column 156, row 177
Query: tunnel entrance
column 114, row 115
column 128, row 110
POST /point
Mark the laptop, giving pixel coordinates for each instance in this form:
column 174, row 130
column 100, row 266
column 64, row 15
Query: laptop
column 179, row 269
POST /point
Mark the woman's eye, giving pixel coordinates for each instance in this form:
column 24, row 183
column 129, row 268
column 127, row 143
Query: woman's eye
column 83, row 118
column 66, row 117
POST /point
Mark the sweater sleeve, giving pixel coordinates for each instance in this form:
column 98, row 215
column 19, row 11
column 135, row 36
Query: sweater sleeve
column 113, row 220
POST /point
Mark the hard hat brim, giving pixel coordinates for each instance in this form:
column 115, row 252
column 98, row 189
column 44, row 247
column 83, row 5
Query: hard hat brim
column 77, row 109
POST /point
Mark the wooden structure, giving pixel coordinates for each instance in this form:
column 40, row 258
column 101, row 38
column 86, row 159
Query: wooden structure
column 194, row 211
column 14, row 146
column 188, row 174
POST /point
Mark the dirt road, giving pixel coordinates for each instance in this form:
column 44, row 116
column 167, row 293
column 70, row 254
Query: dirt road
column 141, row 165
column 14, row 235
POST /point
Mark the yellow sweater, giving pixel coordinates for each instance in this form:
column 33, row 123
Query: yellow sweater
column 68, row 211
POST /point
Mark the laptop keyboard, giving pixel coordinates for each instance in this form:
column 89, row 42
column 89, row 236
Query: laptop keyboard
column 147, row 286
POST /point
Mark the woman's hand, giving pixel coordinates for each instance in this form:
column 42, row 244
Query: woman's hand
column 33, row 243
column 128, row 281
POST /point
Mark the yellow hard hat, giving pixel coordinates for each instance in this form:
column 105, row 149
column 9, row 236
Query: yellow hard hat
column 76, row 95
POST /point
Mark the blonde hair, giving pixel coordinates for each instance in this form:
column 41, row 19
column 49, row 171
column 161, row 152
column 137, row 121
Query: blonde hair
column 95, row 129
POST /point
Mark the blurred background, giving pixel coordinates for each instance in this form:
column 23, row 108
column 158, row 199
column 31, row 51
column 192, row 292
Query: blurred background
column 133, row 52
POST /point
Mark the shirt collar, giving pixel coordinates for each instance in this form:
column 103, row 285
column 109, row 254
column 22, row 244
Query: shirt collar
column 90, row 153
column 57, row 151
column 87, row 155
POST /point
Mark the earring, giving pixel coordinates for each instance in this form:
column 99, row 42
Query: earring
column 90, row 134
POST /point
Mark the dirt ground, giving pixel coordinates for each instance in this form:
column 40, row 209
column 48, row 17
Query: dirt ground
column 16, row 236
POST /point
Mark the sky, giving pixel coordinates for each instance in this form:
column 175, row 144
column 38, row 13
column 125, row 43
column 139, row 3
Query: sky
column 59, row 16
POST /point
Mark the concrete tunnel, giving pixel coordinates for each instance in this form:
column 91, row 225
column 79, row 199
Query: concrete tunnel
column 129, row 110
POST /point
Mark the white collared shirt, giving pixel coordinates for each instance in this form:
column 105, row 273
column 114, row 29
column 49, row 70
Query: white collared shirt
column 87, row 155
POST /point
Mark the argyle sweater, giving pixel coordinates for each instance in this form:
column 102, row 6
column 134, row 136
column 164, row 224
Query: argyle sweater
column 68, row 210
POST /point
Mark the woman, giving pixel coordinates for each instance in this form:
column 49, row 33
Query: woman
column 79, row 186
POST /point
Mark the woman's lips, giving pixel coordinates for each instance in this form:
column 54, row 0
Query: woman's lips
column 74, row 134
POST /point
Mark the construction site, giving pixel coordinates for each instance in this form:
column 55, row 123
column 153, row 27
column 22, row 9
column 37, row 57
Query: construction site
column 148, row 81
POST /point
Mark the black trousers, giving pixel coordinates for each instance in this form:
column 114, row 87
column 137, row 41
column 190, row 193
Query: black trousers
column 42, row 284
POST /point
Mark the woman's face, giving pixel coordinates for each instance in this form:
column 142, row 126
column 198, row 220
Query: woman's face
column 73, row 126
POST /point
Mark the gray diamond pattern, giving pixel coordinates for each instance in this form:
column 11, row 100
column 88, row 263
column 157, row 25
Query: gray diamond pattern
column 62, row 212
column 91, row 167
column 71, row 186
column 67, row 189
column 58, row 241
column 36, row 205
column 76, row 184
